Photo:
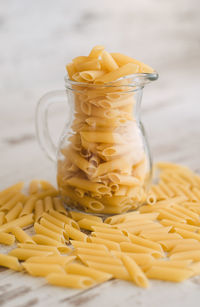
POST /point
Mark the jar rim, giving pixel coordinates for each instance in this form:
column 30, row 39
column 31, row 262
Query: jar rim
column 138, row 79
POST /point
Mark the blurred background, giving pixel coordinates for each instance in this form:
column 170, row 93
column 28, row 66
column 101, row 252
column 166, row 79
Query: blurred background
column 38, row 38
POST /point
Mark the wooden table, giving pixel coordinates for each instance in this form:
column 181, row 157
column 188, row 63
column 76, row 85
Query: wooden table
column 34, row 52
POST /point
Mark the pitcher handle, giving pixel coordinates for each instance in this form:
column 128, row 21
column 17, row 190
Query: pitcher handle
column 41, row 121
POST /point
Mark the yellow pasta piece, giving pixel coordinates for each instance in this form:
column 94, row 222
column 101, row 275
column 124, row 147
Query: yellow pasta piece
column 112, row 237
column 135, row 248
column 195, row 267
column 47, row 186
column 96, row 51
column 168, row 274
column 39, row 229
column 19, row 222
column 159, row 237
column 107, row 230
column 135, row 272
column 33, row 187
column 77, row 216
column 79, row 269
column 71, row 70
column 48, row 204
column 53, row 220
column 89, row 251
column 191, row 254
column 39, row 247
column 70, row 280
column 29, row 206
column 10, row 262
column 14, row 188
column 75, row 234
column 2, row 218
column 23, row 254
column 51, row 226
column 38, row 269
column 100, row 259
column 61, row 260
column 122, row 71
column 109, row 244
column 7, row 197
column 39, row 210
column 108, row 61
column 67, row 220
column 185, row 246
column 44, row 240
column 179, row 225
column 6, row 238
column 122, row 59
column 181, row 264
column 88, row 224
column 187, row 234
column 163, row 214
column 91, row 75
column 88, row 185
column 21, row 235
column 145, row 242
column 92, row 64
column 142, row 259
column 59, row 206
column 87, row 245
column 12, row 202
column 14, row 212
column 118, row 271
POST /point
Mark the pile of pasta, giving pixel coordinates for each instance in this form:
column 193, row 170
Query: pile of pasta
column 161, row 240
column 103, row 166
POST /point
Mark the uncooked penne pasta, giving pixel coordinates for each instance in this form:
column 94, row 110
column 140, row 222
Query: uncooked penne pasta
column 39, row 247
column 41, row 239
column 135, row 272
column 2, row 218
column 14, row 212
column 109, row 244
column 6, row 238
column 19, row 222
column 19, row 197
column 96, row 51
column 135, row 248
column 38, row 269
column 118, row 271
column 39, row 229
column 33, row 187
column 67, row 220
column 53, row 220
column 88, row 224
column 59, row 206
column 10, row 262
column 77, row 216
column 87, row 245
column 48, row 204
column 79, row 269
column 51, row 226
column 99, row 259
column 21, row 235
column 70, row 280
column 61, row 260
column 168, row 274
column 39, row 210
column 23, row 254
column 75, row 234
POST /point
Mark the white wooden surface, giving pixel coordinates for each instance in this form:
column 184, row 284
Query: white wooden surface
column 37, row 38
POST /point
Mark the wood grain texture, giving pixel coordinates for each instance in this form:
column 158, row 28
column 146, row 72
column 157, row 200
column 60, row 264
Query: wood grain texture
column 35, row 47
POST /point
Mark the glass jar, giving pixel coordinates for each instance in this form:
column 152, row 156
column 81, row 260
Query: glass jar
column 103, row 160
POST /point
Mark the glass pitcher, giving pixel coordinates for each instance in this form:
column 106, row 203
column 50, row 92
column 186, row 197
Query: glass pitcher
column 103, row 160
